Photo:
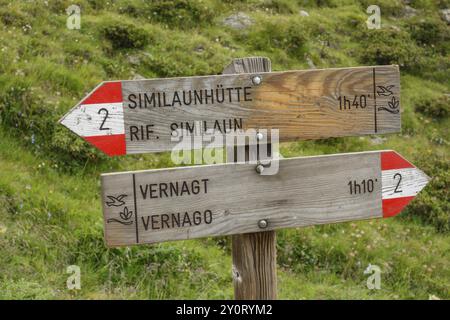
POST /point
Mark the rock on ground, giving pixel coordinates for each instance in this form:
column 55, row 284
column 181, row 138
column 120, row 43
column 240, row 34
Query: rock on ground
column 137, row 76
column 303, row 13
column 238, row 21
column 409, row 12
column 445, row 14
column 310, row 63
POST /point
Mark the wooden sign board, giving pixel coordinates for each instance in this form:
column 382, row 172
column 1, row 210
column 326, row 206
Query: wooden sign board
column 191, row 202
column 140, row 116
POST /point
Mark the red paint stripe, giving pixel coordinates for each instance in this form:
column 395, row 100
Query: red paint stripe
column 108, row 92
column 392, row 160
column 392, row 207
column 112, row 145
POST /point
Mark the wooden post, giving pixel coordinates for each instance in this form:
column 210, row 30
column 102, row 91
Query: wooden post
column 254, row 254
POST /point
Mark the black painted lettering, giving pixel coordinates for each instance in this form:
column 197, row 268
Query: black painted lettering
column 134, row 133
column 153, row 191
column 195, row 186
column 184, row 188
column 211, row 96
column 208, row 216
column 163, row 189
column 174, row 189
column 205, row 181
column 247, row 94
column 131, row 98
column 186, row 220
column 198, row 97
column 165, row 221
column 196, row 217
column 145, row 222
column 149, row 130
column 144, row 193
column 176, row 220
column 154, row 222
column 185, row 101
column 237, row 124
column 176, row 99
column 361, row 187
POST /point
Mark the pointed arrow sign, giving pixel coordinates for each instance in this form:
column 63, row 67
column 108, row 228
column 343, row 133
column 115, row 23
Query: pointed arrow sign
column 99, row 118
column 191, row 202
column 139, row 116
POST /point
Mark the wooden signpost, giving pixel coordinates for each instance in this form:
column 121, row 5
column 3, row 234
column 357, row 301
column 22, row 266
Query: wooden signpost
column 215, row 200
column 254, row 254
column 139, row 116
column 149, row 206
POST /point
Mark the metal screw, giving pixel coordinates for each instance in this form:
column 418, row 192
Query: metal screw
column 263, row 223
column 259, row 168
column 259, row 136
column 256, row 80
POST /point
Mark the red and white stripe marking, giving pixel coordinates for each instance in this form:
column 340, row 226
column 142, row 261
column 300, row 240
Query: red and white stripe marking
column 401, row 182
column 99, row 119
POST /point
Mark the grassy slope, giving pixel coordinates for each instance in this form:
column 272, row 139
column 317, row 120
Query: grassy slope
column 50, row 215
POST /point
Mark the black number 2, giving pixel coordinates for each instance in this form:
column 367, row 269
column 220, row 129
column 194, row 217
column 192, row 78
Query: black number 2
column 104, row 119
column 397, row 188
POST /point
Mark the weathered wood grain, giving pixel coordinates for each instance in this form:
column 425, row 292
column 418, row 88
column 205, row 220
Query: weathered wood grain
column 305, row 104
column 255, row 266
column 305, row 191
column 301, row 104
column 254, row 254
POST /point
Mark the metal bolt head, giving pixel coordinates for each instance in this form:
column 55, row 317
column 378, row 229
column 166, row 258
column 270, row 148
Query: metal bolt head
column 256, row 80
column 259, row 136
column 259, row 168
column 263, row 223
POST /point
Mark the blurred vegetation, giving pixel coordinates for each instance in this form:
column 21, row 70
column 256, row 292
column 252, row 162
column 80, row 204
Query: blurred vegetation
column 123, row 36
column 50, row 213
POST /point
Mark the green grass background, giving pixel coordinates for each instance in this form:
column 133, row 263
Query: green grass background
column 50, row 212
